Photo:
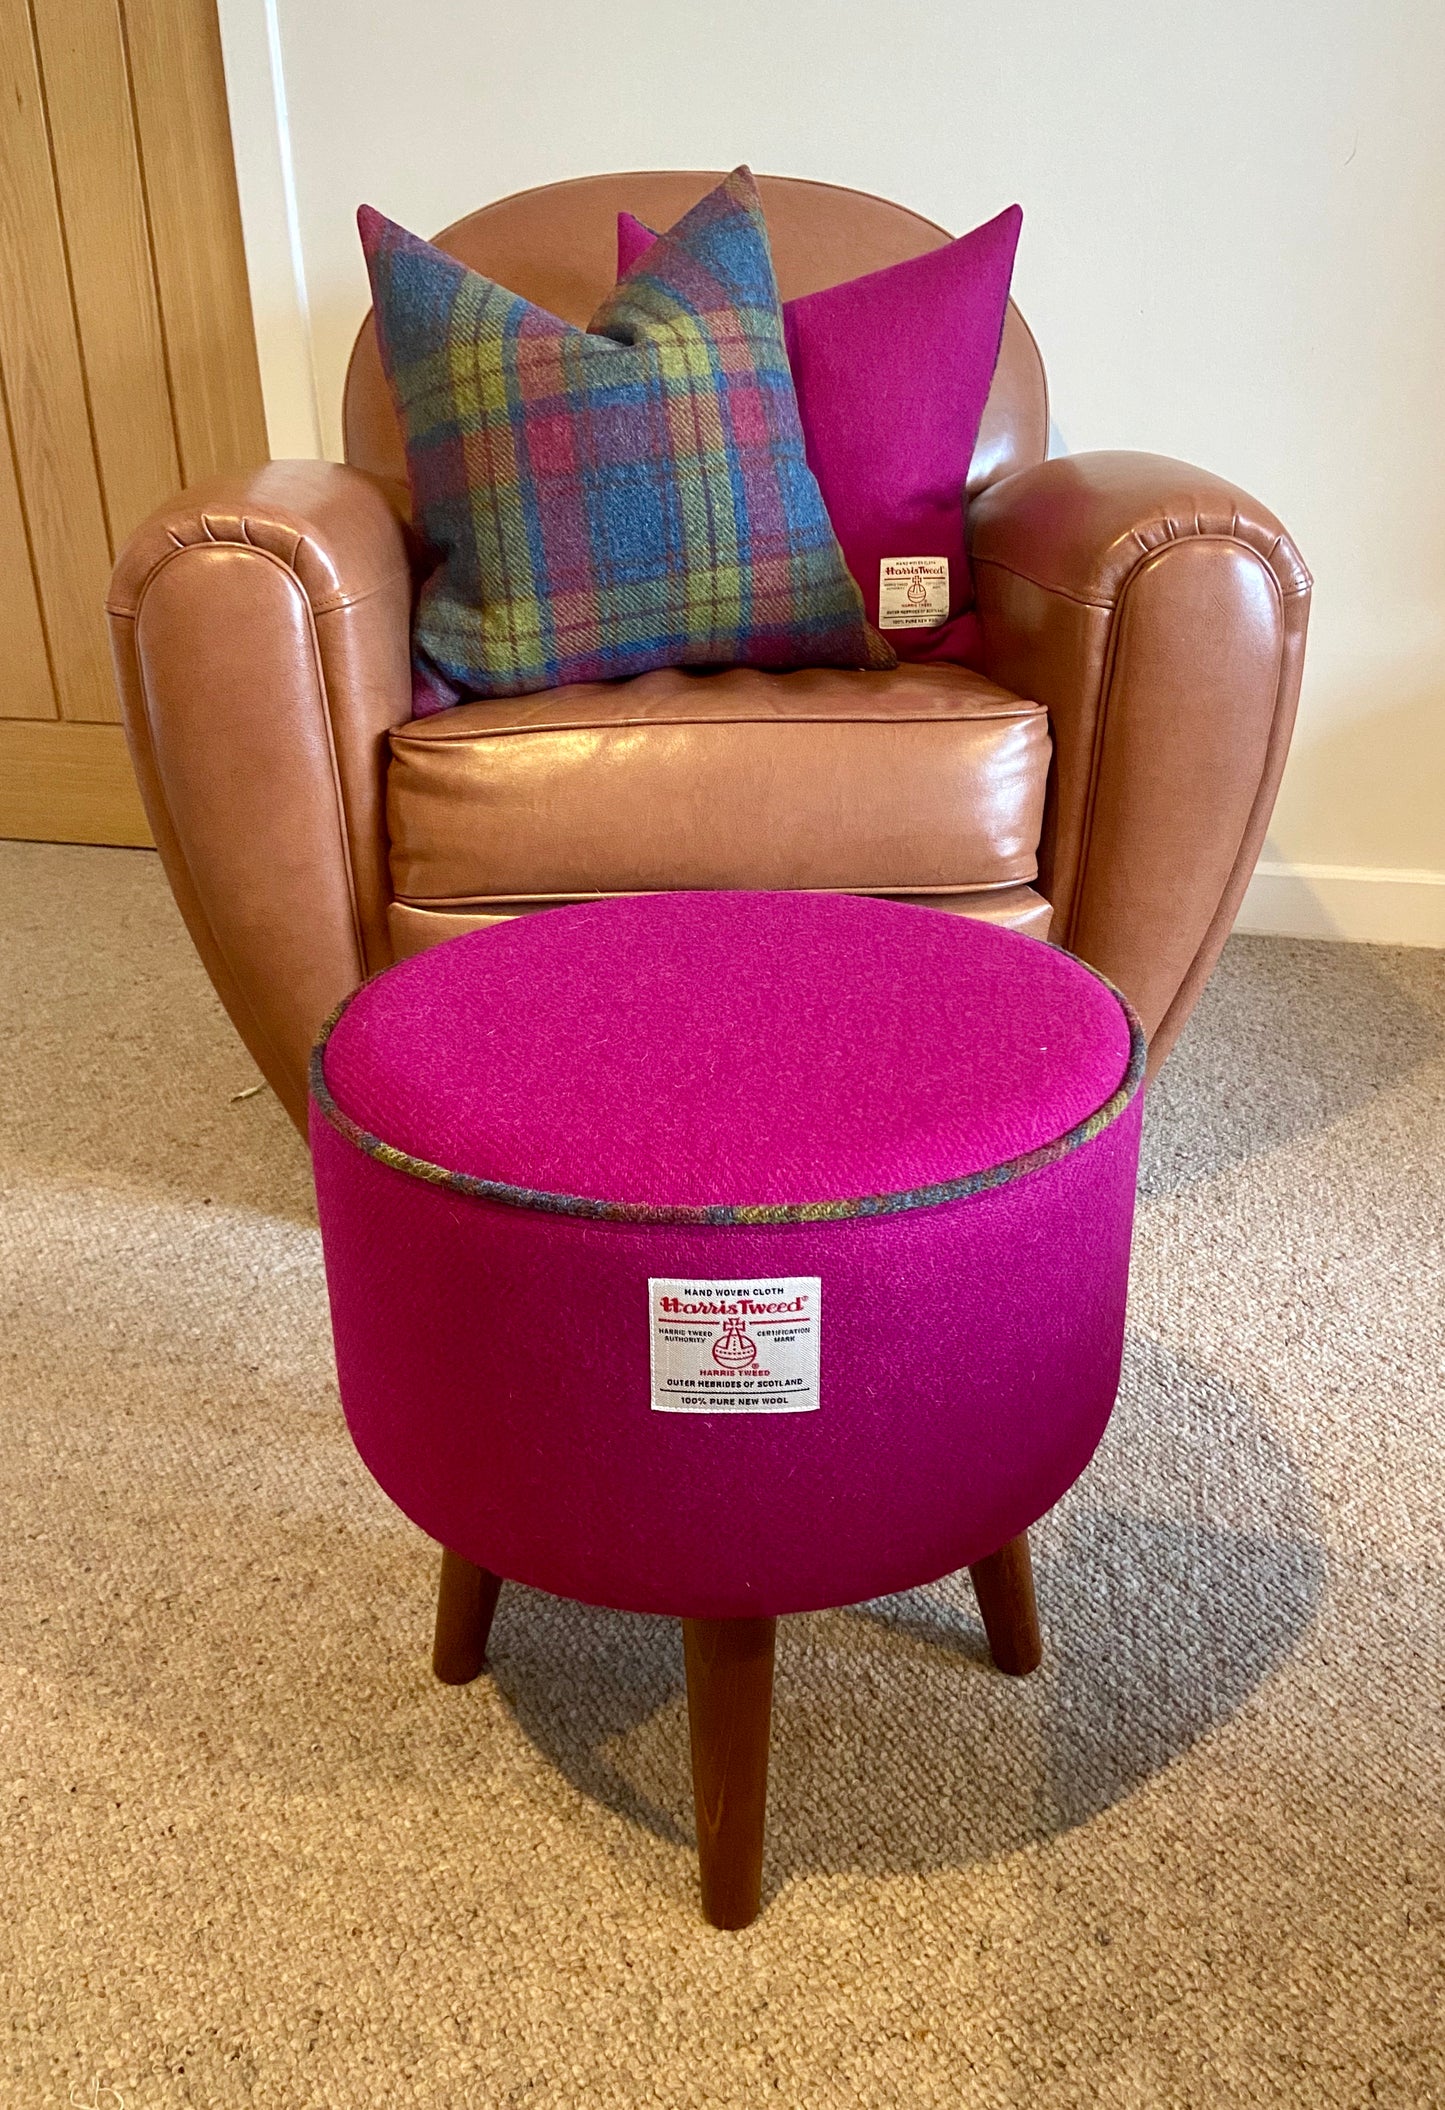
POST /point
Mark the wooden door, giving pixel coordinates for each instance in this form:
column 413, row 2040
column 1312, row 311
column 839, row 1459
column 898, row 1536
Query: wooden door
column 127, row 363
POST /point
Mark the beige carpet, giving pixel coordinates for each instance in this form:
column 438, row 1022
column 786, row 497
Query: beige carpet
column 252, row 1854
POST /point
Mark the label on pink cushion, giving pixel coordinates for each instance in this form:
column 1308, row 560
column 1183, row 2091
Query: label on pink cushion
column 912, row 593
column 735, row 1347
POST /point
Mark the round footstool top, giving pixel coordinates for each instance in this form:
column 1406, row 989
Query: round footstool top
column 724, row 1253
column 729, row 1058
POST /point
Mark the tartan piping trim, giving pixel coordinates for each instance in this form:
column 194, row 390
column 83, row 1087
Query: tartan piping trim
column 729, row 1213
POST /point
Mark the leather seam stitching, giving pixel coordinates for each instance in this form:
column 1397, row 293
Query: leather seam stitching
column 323, row 697
column 1173, row 541
column 483, row 904
column 1062, row 593
column 1118, row 619
column 1234, row 868
column 466, row 734
column 357, row 600
column 144, row 734
column 325, row 606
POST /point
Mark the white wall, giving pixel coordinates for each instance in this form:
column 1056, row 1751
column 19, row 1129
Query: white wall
column 1233, row 234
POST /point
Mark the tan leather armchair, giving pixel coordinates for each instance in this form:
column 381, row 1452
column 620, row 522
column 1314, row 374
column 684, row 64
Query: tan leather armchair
column 1109, row 774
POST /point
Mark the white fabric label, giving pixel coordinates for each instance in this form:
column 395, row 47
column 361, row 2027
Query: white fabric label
column 735, row 1347
column 912, row 593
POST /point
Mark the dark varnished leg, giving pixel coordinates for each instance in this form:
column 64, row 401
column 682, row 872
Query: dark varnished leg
column 730, row 1709
column 1004, row 1587
column 466, row 1600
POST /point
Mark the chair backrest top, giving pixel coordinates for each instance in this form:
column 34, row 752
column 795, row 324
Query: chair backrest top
column 557, row 246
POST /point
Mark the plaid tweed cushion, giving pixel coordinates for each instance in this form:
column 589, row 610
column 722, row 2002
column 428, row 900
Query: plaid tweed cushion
column 608, row 500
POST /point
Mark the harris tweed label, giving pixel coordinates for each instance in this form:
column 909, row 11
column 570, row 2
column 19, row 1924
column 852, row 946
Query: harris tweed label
column 912, row 593
column 735, row 1347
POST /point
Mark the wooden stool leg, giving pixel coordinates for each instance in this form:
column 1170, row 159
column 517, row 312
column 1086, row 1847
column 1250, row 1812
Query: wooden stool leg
column 1004, row 1587
column 730, row 1711
column 466, row 1599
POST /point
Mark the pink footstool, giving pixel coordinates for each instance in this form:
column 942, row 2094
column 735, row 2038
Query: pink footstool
column 725, row 1255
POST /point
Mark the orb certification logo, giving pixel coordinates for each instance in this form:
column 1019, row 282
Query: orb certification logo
column 733, row 1349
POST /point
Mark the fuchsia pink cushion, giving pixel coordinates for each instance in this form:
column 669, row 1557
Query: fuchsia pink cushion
column 892, row 373
column 916, row 1131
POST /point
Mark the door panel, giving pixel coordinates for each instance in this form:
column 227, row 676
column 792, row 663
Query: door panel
column 78, row 776
column 45, row 389
column 26, row 690
column 195, row 221
column 127, row 362
column 87, row 93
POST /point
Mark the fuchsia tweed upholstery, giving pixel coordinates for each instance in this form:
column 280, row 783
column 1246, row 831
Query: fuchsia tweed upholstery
column 892, row 372
column 514, row 1132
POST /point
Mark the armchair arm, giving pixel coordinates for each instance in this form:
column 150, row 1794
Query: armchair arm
column 1160, row 616
column 260, row 632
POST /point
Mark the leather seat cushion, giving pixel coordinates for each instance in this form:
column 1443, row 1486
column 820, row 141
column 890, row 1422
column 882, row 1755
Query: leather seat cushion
column 928, row 778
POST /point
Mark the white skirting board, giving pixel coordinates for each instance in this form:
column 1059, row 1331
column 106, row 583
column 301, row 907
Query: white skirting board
column 1368, row 904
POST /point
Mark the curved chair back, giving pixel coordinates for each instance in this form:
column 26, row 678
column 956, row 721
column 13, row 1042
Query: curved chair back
column 558, row 247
